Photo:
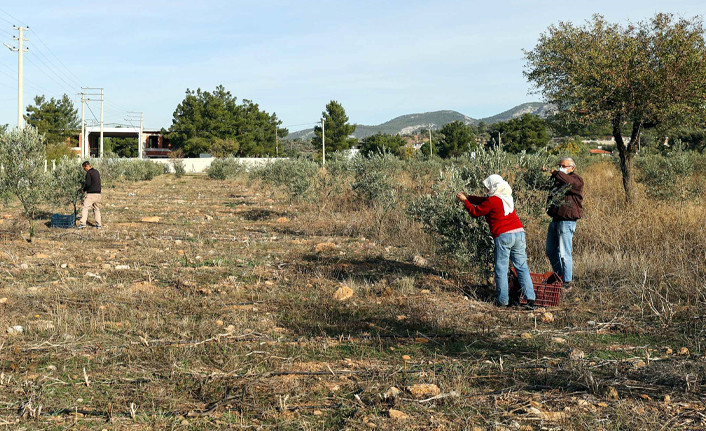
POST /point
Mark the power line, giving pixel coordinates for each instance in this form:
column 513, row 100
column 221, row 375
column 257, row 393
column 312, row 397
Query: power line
column 48, row 75
column 51, row 69
column 78, row 80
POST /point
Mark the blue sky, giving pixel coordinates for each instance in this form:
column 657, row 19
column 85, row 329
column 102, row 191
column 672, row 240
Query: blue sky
column 379, row 59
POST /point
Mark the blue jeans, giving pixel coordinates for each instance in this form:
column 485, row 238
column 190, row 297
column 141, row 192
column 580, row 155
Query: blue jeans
column 511, row 246
column 559, row 247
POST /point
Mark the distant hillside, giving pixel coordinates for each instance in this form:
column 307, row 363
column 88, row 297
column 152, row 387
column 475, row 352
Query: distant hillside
column 537, row 108
column 413, row 123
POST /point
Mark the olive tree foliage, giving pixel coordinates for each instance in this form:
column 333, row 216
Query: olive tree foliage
column 629, row 76
column 22, row 155
column 66, row 182
column 465, row 239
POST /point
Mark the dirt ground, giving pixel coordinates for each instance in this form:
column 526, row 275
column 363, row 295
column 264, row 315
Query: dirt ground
column 235, row 309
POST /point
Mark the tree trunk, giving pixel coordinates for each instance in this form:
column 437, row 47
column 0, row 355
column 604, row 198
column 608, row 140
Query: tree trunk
column 627, row 153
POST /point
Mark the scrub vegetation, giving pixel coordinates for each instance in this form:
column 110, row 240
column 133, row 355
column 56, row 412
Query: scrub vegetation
column 352, row 297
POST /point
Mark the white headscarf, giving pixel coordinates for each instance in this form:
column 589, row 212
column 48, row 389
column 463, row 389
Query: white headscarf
column 497, row 186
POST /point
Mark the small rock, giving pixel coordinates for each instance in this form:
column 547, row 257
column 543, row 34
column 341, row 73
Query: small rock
column 401, row 317
column 120, row 267
column 611, row 393
column 558, row 340
column 219, row 323
column 269, row 283
column 526, row 336
column 420, row 261
column 424, row 390
column 668, row 351
column 64, row 265
column 3, row 300
column 42, row 256
column 318, row 413
column 154, row 219
column 684, row 351
column 24, row 266
column 391, row 393
column 639, row 364
column 425, row 291
column 324, row 246
column 398, row 415
column 576, row 354
column 547, row 317
column 208, row 217
column 282, row 220
column 51, row 368
column 343, row 293
column 15, row 330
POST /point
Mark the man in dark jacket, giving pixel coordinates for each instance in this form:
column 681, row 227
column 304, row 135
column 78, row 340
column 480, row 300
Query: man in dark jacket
column 92, row 199
column 565, row 207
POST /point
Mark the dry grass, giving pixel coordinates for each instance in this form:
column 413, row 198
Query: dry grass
column 226, row 318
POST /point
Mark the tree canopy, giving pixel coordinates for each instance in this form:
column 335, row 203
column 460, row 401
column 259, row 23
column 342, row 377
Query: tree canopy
column 204, row 120
column 57, row 121
column 456, row 139
column 337, row 129
column 525, row 133
column 381, row 143
column 631, row 77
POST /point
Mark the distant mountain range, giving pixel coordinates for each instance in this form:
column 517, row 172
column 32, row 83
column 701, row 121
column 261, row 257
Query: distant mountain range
column 413, row 123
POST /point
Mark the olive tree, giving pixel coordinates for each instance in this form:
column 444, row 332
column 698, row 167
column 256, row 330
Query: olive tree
column 628, row 76
column 22, row 154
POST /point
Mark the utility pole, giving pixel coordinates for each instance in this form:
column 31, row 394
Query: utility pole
column 276, row 144
column 102, row 99
column 83, row 125
column 431, row 151
column 140, row 144
column 101, row 145
column 19, row 50
column 323, row 141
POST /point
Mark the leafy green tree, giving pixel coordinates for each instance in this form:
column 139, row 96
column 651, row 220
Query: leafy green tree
column 57, row 120
column 337, row 128
column 120, row 146
column 66, row 182
column 381, row 143
column 224, row 147
column 525, row 133
column 23, row 155
column 631, row 77
column 456, row 139
column 203, row 118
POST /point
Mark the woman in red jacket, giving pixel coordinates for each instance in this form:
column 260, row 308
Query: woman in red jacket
column 508, row 234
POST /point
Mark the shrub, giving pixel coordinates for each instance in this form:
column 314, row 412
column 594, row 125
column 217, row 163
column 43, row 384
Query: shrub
column 115, row 169
column 374, row 178
column 461, row 237
column 222, row 168
column 23, row 156
column 66, row 182
column 670, row 176
column 296, row 175
column 179, row 168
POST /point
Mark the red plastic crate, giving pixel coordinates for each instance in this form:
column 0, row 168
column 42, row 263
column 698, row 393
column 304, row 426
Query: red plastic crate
column 547, row 288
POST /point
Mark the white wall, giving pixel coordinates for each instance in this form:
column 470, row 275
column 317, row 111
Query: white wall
column 198, row 165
